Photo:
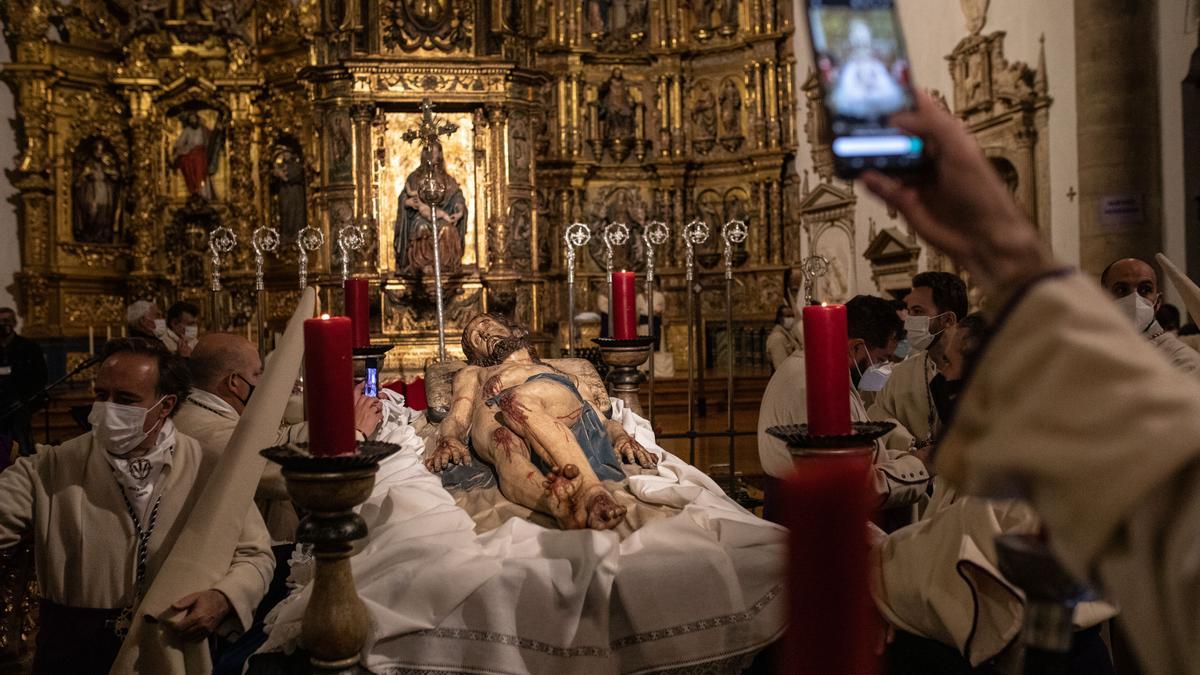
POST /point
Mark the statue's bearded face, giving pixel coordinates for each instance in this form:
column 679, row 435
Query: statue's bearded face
column 490, row 339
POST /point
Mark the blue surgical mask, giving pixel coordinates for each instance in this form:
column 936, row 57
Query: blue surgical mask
column 903, row 348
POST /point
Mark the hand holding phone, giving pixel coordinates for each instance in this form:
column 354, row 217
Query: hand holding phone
column 863, row 67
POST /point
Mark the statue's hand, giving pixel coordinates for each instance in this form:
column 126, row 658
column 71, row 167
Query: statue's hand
column 449, row 451
column 492, row 387
column 632, row 452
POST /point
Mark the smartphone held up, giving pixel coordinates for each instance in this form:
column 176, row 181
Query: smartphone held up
column 858, row 49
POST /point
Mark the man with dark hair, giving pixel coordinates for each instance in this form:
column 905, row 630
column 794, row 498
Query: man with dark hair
column 182, row 329
column 116, row 498
column 22, row 374
column 900, row 478
column 937, row 302
column 1134, row 285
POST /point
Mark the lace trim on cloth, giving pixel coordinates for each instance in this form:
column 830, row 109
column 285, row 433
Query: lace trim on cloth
column 722, row 666
column 600, row 652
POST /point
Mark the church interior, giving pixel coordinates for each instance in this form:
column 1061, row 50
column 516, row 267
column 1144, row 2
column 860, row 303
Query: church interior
column 643, row 196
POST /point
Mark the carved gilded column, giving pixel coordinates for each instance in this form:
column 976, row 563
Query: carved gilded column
column 777, row 223
column 752, row 103
column 772, row 103
column 678, row 140
column 364, row 117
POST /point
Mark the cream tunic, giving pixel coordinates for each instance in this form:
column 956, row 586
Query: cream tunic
column 1071, row 408
column 67, row 498
column 211, row 420
column 905, row 398
column 899, row 477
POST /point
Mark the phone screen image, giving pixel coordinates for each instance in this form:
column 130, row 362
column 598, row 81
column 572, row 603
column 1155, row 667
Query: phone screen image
column 859, row 51
column 372, row 383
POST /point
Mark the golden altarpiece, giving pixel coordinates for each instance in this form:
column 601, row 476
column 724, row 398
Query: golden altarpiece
column 146, row 125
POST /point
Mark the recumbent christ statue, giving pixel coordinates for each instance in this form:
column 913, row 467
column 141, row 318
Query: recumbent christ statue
column 536, row 425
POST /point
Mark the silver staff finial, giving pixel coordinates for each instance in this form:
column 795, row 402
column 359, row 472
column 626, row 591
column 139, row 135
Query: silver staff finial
column 308, row 240
column 814, row 267
column 350, row 238
column 263, row 240
column 221, row 240
column 694, row 234
column 733, row 232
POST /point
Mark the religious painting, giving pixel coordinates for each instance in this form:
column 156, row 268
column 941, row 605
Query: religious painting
column 618, row 205
column 341, row 155
column 405, row 235
column 835, row 244
column 198, row 148
column 287, row 182
column 96, row 192
column 625, row 22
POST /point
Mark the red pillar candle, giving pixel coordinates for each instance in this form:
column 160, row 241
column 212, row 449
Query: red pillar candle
column 358, row 308
column 329, row 385
column 826, row 504
column 827, row 374
column 624, row 306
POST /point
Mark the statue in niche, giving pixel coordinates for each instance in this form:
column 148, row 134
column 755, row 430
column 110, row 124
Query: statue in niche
column 731, row 109
column 96, row 193
column 339, row 139
column 702, row 11
column 617, row 108
column 197, row 151
column 704, row 113
column 623, row 18
column 729, row 18
column 414, row 235
column 287, row 182
column 542, row 428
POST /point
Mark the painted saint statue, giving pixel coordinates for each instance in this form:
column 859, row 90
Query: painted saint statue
column 414, row 236
column 196, row 152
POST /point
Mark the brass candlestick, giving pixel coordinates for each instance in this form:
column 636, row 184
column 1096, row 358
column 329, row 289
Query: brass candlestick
column 623, row 357
column 334, row 627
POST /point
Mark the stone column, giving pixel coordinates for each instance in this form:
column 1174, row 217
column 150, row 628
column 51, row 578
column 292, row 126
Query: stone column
column 1118, row 130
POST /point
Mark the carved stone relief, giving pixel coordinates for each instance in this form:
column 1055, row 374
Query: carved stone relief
column 412, row 25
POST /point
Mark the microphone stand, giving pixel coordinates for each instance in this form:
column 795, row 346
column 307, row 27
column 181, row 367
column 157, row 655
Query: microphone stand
column 32, row 403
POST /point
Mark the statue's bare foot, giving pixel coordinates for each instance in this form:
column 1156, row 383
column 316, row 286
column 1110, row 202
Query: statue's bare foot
column 603, row 512
column 561, row 486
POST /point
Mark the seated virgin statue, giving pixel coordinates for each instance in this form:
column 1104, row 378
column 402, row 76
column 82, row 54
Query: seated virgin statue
column 550, row 446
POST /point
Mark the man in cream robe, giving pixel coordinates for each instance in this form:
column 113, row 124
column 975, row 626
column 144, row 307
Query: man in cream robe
column 784, row 339
column 938, row 300
column 84, row 503
column 899, row 477
column 939, row 578
column 225, row 369
column 1068, row 405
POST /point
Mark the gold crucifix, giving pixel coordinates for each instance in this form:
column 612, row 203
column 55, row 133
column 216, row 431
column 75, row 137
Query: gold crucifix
column 431, row 127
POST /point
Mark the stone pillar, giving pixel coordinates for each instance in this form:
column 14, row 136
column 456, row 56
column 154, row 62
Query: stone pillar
column 1191, row 163
column 1118, row 130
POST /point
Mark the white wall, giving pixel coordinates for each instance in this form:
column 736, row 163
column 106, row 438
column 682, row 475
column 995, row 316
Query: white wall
column 1177, row 41
column 10, row 248
column 932, row 29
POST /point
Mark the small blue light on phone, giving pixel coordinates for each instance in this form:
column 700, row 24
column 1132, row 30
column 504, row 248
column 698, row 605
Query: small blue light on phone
column 877, row 146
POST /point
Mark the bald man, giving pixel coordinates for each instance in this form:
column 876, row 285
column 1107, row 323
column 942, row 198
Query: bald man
column 1134, row 284
column 225, row 369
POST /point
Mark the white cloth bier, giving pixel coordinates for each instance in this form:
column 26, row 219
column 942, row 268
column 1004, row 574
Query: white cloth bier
column 698, row 581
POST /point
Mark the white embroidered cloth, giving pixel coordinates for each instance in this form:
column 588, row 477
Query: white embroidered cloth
column 699, row 581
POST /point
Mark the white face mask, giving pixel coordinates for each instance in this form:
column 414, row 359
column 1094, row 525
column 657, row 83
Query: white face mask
column 875, row 377
column 118, row 427
column 1139, row 310
column 160, row 327
column 916, row 329
column 789, row 321
column 190, row 332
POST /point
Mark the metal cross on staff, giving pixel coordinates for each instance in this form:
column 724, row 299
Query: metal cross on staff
column 615, row 234
column 814, row 267
column 432, row 190
column 576, row 235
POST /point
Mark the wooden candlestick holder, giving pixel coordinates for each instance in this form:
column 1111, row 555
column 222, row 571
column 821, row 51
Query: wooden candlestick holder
column 334, row 627
column 623, row 357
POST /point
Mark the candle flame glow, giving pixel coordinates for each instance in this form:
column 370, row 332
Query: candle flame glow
column 324, row 317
